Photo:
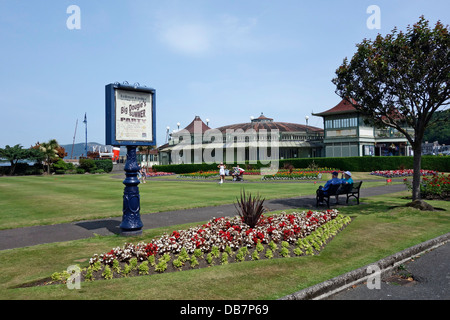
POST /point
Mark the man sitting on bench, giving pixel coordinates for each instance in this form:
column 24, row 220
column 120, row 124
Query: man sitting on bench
column 334, row 183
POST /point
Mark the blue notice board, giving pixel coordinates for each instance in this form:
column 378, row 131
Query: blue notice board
column 130, row 115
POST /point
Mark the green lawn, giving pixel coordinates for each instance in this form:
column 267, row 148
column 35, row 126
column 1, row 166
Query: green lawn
column 381, row 227
column 42, row 200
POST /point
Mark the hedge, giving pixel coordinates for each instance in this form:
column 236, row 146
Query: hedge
column 357, row 164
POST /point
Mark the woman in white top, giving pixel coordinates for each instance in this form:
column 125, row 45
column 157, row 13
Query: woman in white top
column 221, row 167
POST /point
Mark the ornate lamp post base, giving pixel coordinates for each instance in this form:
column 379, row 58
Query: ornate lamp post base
column 131, row 220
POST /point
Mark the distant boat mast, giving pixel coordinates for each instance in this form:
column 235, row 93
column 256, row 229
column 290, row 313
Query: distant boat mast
column 73, row 143
column 85, row 122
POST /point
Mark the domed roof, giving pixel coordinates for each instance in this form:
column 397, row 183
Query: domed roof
column 264, row 123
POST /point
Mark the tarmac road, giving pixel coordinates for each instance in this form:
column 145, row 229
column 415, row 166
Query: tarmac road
column 425, row 277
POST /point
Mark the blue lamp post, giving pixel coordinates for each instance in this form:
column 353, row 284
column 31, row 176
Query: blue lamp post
column 131, row 219
column 130, row 122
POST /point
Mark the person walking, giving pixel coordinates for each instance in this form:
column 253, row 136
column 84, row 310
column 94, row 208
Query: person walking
column 143, row 175
column 221, row 167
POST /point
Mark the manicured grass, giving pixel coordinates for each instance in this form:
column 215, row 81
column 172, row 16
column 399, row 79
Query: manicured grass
column 381, row 227
column 42, row 200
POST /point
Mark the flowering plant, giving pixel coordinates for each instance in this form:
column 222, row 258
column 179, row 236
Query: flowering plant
column 298, row 174
column 200, row 174
column 159, row 174
column 400, row 173
column 224, row 232
column 221, row 240
column 436, row 186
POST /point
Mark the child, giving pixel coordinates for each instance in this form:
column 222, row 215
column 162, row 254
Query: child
column 221, row 167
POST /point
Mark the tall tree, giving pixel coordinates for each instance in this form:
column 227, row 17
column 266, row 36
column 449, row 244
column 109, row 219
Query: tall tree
column 13, row 155
column 17, row 153
column 50, row 151
column 401, row 78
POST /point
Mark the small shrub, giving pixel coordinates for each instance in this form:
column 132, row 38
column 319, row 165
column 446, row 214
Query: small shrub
column 143, row 268
column 126, row 270
column 87, row 164
column 161, row 266
column 107, row 273
column 298, row 252
column 250, row 209
column 209, row 258
column 89, row 276
column 259, row 246
column 151, row 260
column 116, row 266
column 177, row 263
column 198, row 253
column 215, row 251
column 272, row 246
column 224, row 258
column 194, row 262
column 133, row 263
column 284, row 252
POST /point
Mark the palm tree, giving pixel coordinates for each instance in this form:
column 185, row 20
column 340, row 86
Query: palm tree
column 50, row 151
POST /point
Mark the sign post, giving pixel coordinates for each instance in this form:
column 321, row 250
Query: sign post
column 130, row 122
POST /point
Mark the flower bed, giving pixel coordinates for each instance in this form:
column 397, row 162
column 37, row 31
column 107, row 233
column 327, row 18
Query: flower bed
column 220, row 241
column 400, row 173
column 200, row 175
column 298, row 174
column 436, row 187
column 159, row 174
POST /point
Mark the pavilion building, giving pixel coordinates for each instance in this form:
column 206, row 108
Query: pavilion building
column 347, row 133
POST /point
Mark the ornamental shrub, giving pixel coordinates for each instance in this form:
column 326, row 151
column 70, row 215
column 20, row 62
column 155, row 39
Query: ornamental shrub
column 87, row 165
column 105, row 164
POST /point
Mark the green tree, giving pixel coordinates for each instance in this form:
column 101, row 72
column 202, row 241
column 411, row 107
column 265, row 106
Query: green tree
column 401, row 78
column 439, row 130
column 17, row 153
column 50, row 152
column 13, row 155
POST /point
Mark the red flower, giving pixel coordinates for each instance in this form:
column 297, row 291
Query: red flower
column 237, row 228
column 151, row 249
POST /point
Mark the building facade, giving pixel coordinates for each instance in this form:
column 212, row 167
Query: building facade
column 347, row 133
column 261, row 139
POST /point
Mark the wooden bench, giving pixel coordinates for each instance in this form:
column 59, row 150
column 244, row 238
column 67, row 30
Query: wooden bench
column 337, row 190
column 353, row 191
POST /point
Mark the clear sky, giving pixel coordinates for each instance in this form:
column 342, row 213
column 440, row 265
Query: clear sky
column 220, row 60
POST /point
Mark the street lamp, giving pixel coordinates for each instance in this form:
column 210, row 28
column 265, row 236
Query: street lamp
column 167, row 134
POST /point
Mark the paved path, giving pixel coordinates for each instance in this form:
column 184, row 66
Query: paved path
column 426, row 277
column 29, row 236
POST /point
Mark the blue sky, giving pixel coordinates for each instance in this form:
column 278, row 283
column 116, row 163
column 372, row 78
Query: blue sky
column 221, row 60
